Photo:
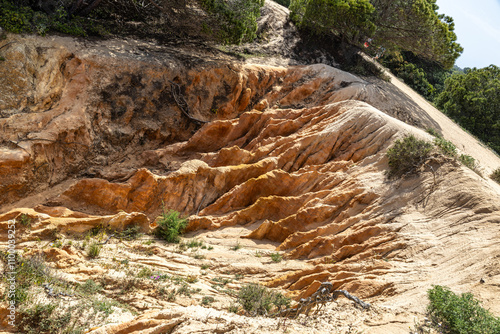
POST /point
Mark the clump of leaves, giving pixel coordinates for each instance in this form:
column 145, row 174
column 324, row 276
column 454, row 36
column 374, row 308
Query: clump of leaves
column 93, row 250
column 258, row 300
column 207, row 300
column 90, row 287
column 495, row 176
column 170, row 226
column 468, row 161
column 25, row 220
column 407, row 155
column 276, row 257
column 42, row 319
column 446, row 147
column 459, row 314
column 237, row 246
column 130, row 233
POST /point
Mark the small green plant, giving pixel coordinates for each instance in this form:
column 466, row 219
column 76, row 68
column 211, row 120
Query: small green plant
column 90, row 287
column 468, row 161
column 145, row 273
column 170, row 226
column 207, row 300
column 495, row 176
column 210, row 247
column 199, row 256
column 57, row 244
column 236, row 247
column 41, row 319
column 407, row 155
column 184, row 289
column 192, row 279
column 258, row 300
column 258, row 254
column 130, row 233
column 433, row 132
column 148, row 242
column 205, row 266
column 25, row 220
column 233, row 308
column 446, row 147
column 93, row 250
column 459, row 314
column 276, row 257
column 194, row 244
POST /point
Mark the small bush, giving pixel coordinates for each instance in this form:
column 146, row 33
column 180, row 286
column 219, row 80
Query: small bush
column 90, row 287
column 25, row 220
column 207, row 300
column 276, row 257
column 170, row 226
column 41, row 319
column 130, row 233
column 460, row 314
column 468, row 161
column 446, row 147
column 236, row 247
column 258, row 300
column 145, row 273
column 407, row 155
column 93, row 250
column 433, row 132
column 495, row 176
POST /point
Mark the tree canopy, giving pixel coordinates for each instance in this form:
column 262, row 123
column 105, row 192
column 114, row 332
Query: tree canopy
column 407, row 25
column 473, row 100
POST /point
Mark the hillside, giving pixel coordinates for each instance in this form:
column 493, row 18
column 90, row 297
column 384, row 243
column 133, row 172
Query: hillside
column 266, row 150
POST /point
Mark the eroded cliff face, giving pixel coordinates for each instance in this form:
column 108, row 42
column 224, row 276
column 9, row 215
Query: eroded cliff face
column 290, row 159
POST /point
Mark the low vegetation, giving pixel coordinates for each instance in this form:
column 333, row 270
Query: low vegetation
column 408, row 155
column 495, row 176
column 459, row 314
column 258, row 300
column 170, row 226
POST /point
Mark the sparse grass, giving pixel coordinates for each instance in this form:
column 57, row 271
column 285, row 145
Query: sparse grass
column 433, row 132
column 25, row 220
column 205, row 266
column 93, row 250
column 469, row 162
column 276, row 257
column 90, row 287
column 57, row 244
column 184, row 289
column 130, row 233
column 210, row 247
column 407, row 155
column 199, row 256
column 207, row 300
column 233, row 308
column 446, row 147
column 194, row 243
column 144, row 273
column 258, row 300
column 237, row 246
column 459, row 314
column 170, row 226
column 258, row 254
column 495, row 176
column 42, row 319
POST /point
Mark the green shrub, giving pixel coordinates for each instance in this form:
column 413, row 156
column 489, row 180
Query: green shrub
column 170, row 226
column 207, row 300
column 276, row 257
column 41, row 319
column 446, row 147
column 433, row 132
column 407, row 155
column 460, row 314
column 468, row 161
column 495, row 176
column 90, row 287
column 93, row 250
column 237, row 19
column 25, row 220
column 258, row 300
column 130, row 233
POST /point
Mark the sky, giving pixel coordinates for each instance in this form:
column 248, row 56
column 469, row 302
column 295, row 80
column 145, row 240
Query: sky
column 477, row 25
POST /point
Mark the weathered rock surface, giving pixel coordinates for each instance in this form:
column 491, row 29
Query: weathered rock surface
column 292, row 160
